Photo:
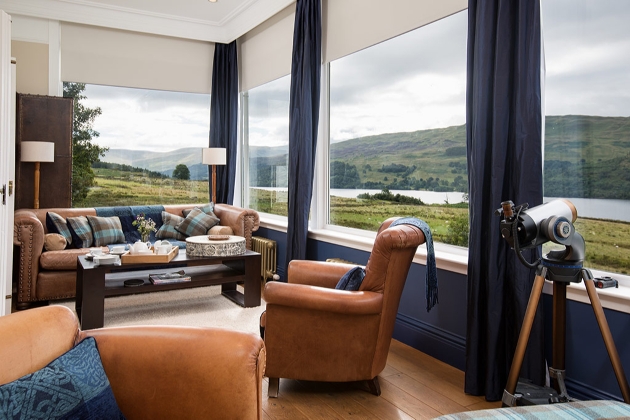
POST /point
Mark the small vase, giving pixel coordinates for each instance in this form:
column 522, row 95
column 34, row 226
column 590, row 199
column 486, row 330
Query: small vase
column 145, row 237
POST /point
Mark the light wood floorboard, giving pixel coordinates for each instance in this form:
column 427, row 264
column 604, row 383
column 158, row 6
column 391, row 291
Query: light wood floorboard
column 413, row 385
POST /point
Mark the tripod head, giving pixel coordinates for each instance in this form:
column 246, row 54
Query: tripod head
column 525, row 228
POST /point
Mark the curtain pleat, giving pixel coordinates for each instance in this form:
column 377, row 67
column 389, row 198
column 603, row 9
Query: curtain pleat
column 504, row 141
column 303, row 122
column 224, row 118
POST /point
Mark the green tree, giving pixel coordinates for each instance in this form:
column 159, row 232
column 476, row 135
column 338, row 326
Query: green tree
column 84, row 152
column 181, row 172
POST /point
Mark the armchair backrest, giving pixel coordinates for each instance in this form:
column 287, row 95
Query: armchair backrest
column 386, row 272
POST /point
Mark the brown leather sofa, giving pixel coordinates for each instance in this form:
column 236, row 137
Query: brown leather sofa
column 155, row 372
column 317, row 333
column 40, row 275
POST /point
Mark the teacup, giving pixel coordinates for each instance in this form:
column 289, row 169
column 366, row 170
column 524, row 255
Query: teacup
column 118, row 249
column 159, row 243
column 96, row 251
column 164, row 249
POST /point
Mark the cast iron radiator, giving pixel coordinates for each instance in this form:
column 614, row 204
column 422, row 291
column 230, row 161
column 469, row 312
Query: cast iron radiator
column 267, row 249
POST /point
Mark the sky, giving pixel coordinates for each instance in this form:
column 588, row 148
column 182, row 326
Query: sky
column 415, row 81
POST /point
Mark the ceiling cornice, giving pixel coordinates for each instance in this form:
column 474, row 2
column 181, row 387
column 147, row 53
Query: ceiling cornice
column 238, row 22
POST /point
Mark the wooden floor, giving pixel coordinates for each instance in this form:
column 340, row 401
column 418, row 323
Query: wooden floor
column 413, row 385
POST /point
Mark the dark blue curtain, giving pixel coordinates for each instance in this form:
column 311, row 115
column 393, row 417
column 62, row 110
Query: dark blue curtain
column 224, row 117
column 504, row 140
column 303, row 122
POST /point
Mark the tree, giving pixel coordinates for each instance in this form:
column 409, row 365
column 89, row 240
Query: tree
column 84, row 152
column 181, row 172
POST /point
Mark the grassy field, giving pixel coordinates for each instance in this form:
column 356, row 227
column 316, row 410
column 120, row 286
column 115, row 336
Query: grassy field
column 607, row 242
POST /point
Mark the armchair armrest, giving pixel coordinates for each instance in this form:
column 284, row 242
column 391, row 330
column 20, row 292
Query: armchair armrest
column 242, row 221
column 316, row 273
column 204, row 370
column 28, row 235
column 322, row 299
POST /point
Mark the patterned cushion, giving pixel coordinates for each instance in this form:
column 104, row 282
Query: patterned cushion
column 197, row 223
column 72, row 386
column 352, row 279
column 80, row 231
column 57, row 224
column 54, row 242
column 167, row 230
column 208, row 209
column 106, row 230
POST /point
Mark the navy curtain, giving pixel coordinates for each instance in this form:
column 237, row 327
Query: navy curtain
column 504, row 141
column 224, row 118
column 303, row 122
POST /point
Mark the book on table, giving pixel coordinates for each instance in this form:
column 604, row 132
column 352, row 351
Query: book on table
column 164, row 278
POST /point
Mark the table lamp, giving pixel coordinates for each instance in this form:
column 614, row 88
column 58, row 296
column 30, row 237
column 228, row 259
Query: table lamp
column 37, row 151
column 213, row 156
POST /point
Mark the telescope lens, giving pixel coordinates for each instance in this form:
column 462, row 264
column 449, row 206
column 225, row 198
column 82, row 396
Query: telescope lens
column 563, row 229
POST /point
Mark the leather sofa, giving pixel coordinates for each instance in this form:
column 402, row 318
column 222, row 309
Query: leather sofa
column 40, row 275
column 155, row 372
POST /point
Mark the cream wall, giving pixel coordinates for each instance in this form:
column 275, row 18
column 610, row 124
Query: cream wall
column 31, row 67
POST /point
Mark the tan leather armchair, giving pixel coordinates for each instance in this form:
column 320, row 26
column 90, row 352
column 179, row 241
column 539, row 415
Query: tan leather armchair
column 314, row 332
column 156, row 372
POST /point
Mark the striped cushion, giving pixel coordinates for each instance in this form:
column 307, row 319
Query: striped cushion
column 197, row 223
column 167, row 230
column 208, row 209
column 80, row 231
column 106, row 230
column 57, row 224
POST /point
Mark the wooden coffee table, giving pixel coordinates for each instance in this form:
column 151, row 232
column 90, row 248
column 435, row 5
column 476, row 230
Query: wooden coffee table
column 96, row 282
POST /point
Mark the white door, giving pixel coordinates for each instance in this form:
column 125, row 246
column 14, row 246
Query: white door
column 7, row 158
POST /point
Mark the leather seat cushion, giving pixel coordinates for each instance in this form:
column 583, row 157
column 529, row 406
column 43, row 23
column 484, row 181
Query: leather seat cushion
column 61, row 260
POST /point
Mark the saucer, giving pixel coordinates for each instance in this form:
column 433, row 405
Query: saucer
column 106, row 259
column 117, row 253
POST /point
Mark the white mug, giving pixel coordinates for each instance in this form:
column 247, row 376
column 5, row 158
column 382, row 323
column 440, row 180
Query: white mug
column 96, row 251
column 164, row 249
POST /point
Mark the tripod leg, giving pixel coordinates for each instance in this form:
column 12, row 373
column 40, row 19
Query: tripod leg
column 523, row 338
column 606, row 335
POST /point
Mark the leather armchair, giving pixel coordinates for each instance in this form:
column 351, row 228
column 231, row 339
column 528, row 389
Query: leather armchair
column 314, row 332
column 156, row 372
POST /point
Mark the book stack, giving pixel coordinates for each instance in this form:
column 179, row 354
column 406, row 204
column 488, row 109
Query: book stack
column 165, row 278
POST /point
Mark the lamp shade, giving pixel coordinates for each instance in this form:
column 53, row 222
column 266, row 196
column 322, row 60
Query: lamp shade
column 213, row 156
column 37, row 151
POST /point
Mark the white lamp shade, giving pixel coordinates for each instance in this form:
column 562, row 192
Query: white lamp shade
column 213, row 156
column 37, row 151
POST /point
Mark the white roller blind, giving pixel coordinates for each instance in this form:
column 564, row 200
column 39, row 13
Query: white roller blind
column 91, row 54
column 265, row 51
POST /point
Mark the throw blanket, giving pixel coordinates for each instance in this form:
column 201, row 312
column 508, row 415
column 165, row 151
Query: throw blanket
column 431, row 285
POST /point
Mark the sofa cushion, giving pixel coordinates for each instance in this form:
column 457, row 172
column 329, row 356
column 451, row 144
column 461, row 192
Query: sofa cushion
column 208, row 209
column 197, row 223
column 220, row 230
column 54, row 242
column 167, row 230
column 106, row 230
column 61, row 260
column 57, row 224
column 72, row 386
column 80, row 231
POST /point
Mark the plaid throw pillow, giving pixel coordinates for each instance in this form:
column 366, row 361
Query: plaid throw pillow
column 57, row 224
column 197, row 223
column 167, row 230
column 208, row 209
column 106, row 230
column 80, row 231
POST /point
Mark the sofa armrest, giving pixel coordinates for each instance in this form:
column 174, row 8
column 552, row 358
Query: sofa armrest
column 242, row 221
column 28, row 235
column 317, row 273
column 210, row 373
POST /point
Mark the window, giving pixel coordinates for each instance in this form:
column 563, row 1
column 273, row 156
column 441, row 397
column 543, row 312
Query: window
column 152, row 141
column 587, row 127
column 266, row 138
column 397, row 132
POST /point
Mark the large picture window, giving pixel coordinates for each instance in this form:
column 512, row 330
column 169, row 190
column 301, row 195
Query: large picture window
column 397, row 132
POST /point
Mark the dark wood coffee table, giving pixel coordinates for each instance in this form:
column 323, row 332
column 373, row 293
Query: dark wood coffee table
column 96, row 282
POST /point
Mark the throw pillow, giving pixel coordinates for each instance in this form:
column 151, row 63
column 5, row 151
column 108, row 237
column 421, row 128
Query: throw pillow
column 72, row 386
column 106, row 230
column 54, row 242
column 57, row 224
column 197, row 223
column 167, row 230
column 220, row 230
column 352, row 279
column 80, row 231
column 208, row 209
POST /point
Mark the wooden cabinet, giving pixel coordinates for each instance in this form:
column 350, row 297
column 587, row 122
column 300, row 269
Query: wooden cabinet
column 47, row 119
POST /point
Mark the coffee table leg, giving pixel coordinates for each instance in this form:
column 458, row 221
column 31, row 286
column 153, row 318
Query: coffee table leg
column 252, row 281
column 92, row 299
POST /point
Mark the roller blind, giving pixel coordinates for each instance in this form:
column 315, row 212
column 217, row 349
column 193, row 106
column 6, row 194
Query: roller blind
column 91, row 54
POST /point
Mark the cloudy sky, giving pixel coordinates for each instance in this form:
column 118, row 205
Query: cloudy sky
column 415, row 81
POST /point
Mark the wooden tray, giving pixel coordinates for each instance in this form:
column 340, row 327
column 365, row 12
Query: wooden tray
column 128, row 258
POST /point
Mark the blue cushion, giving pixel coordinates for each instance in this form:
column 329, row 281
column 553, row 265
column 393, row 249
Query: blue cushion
column 73, row 386
column 57, row 224
column 197, row 223
column 106, row 230
column 208, row 209
column 80, row 231
column 352, row 279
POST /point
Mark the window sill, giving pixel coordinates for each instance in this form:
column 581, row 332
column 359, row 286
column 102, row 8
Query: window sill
column 455, row 259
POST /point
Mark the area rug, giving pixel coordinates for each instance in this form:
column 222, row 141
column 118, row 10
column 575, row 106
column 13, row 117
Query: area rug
column 198, row 307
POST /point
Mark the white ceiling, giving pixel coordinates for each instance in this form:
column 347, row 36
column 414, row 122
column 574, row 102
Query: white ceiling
column 223, row 21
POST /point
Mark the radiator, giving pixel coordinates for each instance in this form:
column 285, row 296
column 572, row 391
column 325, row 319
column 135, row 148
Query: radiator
column 267, row 249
